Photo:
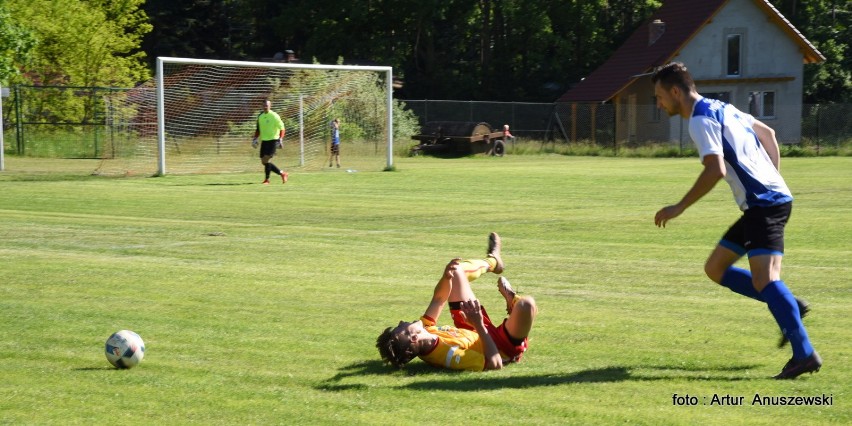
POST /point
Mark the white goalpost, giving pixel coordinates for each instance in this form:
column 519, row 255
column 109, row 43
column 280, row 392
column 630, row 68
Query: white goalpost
column 199, row 116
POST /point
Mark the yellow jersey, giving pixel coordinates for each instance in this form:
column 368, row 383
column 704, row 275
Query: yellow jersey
column 456, row 348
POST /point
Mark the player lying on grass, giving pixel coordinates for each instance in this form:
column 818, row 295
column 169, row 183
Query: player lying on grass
column 474, row 342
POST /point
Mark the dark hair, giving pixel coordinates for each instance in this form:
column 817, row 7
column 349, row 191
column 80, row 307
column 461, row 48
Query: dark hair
column 674, row 74
column 391, row 351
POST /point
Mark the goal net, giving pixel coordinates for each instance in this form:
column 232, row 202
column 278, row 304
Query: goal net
column 199, row 116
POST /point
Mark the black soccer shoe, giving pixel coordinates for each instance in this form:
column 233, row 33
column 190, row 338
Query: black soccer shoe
column 795, row 368
column 804, row 308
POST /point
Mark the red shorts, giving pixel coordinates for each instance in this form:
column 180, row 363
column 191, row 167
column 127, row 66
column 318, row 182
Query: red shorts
column 498, row 334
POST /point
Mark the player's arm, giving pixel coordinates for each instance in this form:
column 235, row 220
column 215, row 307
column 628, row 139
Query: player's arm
column 766, row 136
column 256, row 134
column 283, row 129
column 714, row 169
column 472, row 311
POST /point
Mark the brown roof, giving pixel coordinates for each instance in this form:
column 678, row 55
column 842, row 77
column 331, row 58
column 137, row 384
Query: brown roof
column 683, row 20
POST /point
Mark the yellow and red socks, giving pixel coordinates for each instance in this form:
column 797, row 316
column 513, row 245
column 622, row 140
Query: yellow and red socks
column 475, row 268
column 492, row 263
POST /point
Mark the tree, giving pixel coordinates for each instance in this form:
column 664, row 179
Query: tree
column 521, row 50
column 78, row 43
column 828, row 25
column 88, row 43
column 16, row 44
column 206, row 29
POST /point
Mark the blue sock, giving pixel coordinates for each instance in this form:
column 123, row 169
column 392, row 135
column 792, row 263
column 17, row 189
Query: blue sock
column 739, row 281
column 786, row 312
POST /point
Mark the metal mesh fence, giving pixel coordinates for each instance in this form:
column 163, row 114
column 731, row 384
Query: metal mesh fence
column 826, row 125
column 58, row 121
column 823, row 125
column 530, row 120
column 74, row 122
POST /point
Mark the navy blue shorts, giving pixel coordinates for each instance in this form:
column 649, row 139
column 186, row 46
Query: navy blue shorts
column 759, row 231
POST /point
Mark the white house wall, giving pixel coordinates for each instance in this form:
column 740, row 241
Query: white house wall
column 767, row 52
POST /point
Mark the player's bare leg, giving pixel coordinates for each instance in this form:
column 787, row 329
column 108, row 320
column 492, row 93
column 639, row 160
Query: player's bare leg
column 460, row 290
column 453, row 286
column 522, row 310
column 718, row 263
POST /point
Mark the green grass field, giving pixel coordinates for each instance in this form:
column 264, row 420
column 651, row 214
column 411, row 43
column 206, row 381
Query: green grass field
column 261, row 304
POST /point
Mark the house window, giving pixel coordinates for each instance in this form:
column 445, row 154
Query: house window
column 761, row 104
column 722, row 96
column 734, row 41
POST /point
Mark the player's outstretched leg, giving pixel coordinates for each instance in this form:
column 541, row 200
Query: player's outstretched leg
column 495, row 245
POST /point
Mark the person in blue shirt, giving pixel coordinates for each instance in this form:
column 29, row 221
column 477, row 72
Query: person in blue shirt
column 743, row 151
column 335, row 143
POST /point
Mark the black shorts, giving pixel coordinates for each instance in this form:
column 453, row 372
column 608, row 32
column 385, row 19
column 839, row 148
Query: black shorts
column 268, row 148
column 335, row 149
column 759, row 231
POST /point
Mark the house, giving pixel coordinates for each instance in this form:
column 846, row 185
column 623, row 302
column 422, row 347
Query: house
column 740, row 51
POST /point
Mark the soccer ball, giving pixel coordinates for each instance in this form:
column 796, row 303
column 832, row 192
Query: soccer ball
column 125, row 349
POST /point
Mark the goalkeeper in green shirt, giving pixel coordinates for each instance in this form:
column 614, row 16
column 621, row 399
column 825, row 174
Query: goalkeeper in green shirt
column 270, row 129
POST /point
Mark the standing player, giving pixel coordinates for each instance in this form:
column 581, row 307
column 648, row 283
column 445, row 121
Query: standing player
column 335, row 142
column 473, row 342
column 735, row 146
column 270, row 129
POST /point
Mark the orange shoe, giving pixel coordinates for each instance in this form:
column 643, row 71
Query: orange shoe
column 266, row 181
column 284, row 177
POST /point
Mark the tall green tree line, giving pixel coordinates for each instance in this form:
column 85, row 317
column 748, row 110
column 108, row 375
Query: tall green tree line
column 73, row 43
column 518, row 50
column 828, row 25
column 451, row 49
column 521, row 50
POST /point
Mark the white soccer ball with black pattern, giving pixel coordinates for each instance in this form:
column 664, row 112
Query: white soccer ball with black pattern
column 125, row 349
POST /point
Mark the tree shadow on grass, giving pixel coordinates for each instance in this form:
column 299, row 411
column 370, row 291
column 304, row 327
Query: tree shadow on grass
column 494, row 381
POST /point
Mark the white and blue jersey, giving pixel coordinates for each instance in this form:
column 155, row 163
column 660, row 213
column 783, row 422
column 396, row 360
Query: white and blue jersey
column 721, row 129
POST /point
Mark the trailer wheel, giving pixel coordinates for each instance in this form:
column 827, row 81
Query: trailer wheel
column 499, row 149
